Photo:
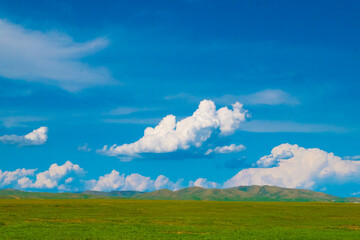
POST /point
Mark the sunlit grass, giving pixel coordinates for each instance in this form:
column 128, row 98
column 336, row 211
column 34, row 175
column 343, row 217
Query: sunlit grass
column 146, row 219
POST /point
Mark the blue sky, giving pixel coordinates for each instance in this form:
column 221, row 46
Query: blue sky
column 99, row 73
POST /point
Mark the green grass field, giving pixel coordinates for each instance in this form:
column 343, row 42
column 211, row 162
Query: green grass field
column 155, row 219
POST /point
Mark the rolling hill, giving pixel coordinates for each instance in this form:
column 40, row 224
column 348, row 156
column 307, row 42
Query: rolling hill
column 241, row 193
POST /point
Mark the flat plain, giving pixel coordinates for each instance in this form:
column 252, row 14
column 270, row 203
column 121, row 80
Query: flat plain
column 158, row 219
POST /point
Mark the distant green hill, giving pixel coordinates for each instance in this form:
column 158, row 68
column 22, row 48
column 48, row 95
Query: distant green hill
column 241, row 193
column 17, row 194
column 122, row 194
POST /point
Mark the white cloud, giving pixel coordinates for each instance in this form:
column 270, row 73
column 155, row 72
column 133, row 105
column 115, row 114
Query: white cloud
column 84, row 148
column 36, row 137
column 51, row 177
column 49, row 57
column 170, row 135
column 265, row 97
column 203, row 182
column 11, row 177
column 307, row 168
column 286, row 126
column 115, row 181
column 227, row 149
column 273, row 159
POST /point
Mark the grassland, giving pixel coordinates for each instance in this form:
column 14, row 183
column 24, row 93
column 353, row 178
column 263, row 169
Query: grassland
column 157, row 219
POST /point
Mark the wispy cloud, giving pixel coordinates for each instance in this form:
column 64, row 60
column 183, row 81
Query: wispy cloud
column 288, row 126
column 142, row 121
column 19, row 121
column 84, row 148
column 226, row 149
column 264, row 97
column 49, row 57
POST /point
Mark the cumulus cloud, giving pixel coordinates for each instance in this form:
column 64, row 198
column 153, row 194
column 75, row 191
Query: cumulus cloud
column 49, row 179
column 11, row 177
column 170, row 136
column 115, row 181
column 49, row 57
column 204, row 183
column 226, row 149
column 292, row 166
column 36, row 137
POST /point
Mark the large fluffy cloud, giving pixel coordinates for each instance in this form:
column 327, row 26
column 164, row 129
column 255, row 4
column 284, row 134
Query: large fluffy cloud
column 51, row 177
column 11, row 177
column 36, row 137
column 170, row 135
column 296, row 167
column 48, row 57
column 115, row 181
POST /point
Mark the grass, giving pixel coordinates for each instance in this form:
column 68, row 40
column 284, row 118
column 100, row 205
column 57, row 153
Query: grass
column 156, row 219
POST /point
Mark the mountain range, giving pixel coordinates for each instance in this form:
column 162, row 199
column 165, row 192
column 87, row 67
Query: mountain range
column 241, row 193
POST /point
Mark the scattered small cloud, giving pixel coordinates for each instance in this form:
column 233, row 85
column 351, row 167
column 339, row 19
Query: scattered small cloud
column 36, row 137
column 84, row 148
column 226, row 149
column 115, row 181
column 264, row 97
column 287, row 126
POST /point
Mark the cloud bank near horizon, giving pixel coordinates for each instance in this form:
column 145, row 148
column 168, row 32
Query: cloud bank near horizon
column 288, row 166
column 292, row 166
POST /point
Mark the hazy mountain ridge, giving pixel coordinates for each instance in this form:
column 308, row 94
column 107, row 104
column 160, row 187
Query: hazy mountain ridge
column 241, row 193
